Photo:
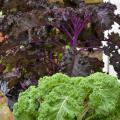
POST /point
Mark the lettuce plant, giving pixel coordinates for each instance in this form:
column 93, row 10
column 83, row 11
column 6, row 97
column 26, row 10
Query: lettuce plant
column 59, row 97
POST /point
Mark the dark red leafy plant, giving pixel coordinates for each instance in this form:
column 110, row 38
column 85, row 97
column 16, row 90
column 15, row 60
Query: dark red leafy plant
column 69, row 22
column 38, row 32
column 112, row 50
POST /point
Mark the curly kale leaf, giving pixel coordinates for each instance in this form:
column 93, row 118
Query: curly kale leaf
column 60, row 97
column 29, row 103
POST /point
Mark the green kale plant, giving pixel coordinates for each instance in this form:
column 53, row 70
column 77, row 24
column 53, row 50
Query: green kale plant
column 59, row 97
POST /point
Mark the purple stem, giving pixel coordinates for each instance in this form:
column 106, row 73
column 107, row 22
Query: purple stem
column 78, row 26
column 74, row 21
column 65, row 31
column 72, row 29
column 51, row 57
column 78, row 21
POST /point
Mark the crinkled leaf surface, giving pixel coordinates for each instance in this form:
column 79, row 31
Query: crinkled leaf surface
column 60, row 97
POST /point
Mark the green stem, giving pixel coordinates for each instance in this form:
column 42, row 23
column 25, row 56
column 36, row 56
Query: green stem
column 80, row 117
column 88, row 118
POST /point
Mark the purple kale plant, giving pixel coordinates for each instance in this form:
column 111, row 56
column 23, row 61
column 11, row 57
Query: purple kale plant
column 69, row 22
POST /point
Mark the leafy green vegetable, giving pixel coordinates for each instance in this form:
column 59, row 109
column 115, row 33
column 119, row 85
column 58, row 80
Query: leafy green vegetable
column 59, row 97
